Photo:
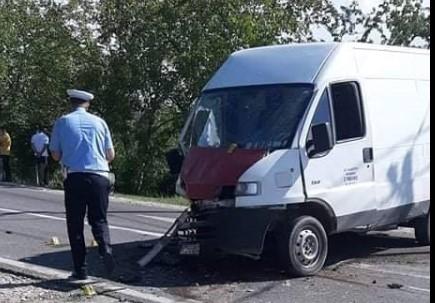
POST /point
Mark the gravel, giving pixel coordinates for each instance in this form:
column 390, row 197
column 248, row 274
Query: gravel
column 18, row 289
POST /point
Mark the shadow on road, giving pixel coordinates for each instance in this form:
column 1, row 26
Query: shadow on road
column 170, row 271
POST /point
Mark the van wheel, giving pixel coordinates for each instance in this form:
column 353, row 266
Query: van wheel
column 303, row 246
column 422, row 230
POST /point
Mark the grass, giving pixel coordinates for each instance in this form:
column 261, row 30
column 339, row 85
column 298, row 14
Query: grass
column 174, row 200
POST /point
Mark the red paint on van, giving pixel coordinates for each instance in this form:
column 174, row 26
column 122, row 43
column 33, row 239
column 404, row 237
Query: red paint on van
column 206, row 170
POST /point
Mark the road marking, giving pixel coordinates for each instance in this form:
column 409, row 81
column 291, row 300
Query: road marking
column 419, row 289
column 163, row 219
column 136, row 231
column 384, row 271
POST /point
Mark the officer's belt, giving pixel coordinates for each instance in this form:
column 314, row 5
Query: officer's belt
column 95, row 172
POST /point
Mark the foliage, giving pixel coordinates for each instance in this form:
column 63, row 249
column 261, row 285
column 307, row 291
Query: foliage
column 161, row 55
column 392, row 22
column 36, row 55
column 146, row 61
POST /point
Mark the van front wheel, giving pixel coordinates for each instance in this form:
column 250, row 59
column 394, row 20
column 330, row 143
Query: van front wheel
column 303, row 246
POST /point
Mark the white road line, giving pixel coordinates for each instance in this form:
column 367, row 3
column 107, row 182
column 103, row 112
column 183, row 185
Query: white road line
column 419, row 289
column 163, row 219
column 384, row 271
column 136, row 231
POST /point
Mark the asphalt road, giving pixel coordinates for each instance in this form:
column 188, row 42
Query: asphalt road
column 379, row 267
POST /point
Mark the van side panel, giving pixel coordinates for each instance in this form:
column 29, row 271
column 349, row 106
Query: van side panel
column 397, row 92
column 328, row 178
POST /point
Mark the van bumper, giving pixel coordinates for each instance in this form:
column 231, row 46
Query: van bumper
column 240, row 231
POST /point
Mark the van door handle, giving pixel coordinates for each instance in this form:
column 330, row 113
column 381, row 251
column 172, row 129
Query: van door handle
column 368, row 155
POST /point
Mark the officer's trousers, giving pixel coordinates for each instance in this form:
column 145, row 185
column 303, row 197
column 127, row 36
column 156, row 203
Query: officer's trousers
column 85, row 191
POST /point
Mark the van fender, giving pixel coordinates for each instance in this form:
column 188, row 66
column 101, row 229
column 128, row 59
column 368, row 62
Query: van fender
column 316, row 208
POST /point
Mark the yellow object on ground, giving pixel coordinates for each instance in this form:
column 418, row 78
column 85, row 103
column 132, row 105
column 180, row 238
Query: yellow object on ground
column 54, row 241
column 88, row 290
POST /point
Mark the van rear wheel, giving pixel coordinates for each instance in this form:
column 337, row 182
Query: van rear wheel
column 303, row 246
column 422, row 230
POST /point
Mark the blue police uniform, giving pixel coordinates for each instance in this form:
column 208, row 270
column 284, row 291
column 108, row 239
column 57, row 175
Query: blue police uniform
column 82, row 140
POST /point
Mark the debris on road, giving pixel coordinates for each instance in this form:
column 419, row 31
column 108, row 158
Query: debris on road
column 88, row 290
column 19, row 289
column 164, row 240
column 395, row 286
column 54, row 241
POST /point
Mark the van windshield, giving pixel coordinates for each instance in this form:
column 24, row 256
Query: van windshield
column 260, row 117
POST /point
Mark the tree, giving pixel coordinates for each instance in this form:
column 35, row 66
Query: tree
column 407, row 20
column 393, row 22
column 39, row 60
column 161, row 54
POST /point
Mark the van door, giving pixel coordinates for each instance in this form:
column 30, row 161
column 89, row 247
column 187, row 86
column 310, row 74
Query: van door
column 342, row 176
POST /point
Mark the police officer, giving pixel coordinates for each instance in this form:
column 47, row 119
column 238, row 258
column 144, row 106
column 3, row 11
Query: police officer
column 82, row 143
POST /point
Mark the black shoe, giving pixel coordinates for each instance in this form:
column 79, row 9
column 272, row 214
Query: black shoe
column 78, row 275
column 109, row 262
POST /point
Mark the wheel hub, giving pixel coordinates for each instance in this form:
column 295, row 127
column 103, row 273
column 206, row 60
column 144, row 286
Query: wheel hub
column 307, row 247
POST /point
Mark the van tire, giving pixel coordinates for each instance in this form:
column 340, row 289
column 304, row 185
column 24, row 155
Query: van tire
column 303, row 246
column 422, row 230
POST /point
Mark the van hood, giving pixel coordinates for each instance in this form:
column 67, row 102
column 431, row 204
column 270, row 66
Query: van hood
column 207, row 172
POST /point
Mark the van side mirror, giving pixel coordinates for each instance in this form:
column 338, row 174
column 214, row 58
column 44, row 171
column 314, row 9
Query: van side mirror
column 322, row 138
column 175, row 159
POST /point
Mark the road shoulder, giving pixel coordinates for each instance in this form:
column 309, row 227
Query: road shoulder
column 101, row 286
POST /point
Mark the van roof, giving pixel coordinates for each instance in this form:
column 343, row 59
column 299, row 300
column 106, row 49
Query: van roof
column 280, row 64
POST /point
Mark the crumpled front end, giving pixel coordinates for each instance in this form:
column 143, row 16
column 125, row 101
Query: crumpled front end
column 222, row 218
column 240, row 231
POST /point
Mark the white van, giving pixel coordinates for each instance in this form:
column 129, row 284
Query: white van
column 303, row 141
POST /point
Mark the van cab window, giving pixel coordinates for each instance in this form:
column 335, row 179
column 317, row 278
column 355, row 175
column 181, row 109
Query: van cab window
column 348, row 111
column 323, row 112
column 255, row 117
column 322, row 115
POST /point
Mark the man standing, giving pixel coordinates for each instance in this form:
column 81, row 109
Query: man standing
column 40, row 143
column 5, row 152
column 83, row 143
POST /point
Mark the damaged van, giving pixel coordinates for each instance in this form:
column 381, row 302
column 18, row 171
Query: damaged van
column 299, row 142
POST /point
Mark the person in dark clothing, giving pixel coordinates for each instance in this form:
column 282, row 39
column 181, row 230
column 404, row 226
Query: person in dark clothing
column 82, row 143
column 5, row 153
